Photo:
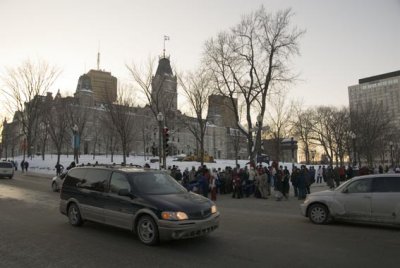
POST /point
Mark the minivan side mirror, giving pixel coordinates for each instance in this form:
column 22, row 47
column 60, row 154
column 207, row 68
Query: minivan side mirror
column 125, row 192
column 345, row 191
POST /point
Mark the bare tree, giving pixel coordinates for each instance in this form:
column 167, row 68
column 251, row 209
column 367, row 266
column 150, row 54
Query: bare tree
column 57, row 123
column 371, row 125
column 302, row 127
column 279, row 118
column 197, row 89
column 24, row 86
column 122, row 118
column 330, row 129
column 252, row 58
column 322, row 129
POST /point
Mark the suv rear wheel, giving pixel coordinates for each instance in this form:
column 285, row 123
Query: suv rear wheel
column 147, row 230
column 318, row 214
column 74, row 215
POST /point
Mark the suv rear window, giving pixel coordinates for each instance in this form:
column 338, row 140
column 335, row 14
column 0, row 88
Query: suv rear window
column 6, row 165
column 389, row 184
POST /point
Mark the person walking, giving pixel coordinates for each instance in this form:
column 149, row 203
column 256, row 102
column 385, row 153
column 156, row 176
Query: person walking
column 22, row 166
column 278, row 184
column 59, row 168
column 294, row 180
column 285, row 183
column 301, row 182
column 213, row 186
column 237, row 185
column 26, row 165
column 72, row 165
column 330, row 177
column 319, row 174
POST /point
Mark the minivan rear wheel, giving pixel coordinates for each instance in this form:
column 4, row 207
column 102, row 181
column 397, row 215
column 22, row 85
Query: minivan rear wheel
column 318, row 214
column 147, row 230
column 74, row 215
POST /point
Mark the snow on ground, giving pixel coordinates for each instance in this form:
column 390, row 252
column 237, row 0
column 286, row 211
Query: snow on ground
column 47, row 166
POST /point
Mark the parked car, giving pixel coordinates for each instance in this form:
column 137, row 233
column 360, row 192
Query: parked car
column 371, row 198
column 6, row 169
column 148, row 202
column 57, row 181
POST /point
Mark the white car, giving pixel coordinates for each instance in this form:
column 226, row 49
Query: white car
column 6, row 169
column 57, row 182
column 371, row 198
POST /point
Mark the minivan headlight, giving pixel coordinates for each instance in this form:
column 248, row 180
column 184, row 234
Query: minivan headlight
column 174, row 216
column 214, row 209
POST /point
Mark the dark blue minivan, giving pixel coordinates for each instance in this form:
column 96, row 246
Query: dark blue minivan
column 148, row 202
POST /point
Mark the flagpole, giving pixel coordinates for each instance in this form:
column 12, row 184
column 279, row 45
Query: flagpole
column 166, row 38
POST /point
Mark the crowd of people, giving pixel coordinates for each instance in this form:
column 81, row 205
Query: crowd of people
column 265, row 182
column 257, row 181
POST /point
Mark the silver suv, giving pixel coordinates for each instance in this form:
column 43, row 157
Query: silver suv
column 6, row 169
column 371, row 198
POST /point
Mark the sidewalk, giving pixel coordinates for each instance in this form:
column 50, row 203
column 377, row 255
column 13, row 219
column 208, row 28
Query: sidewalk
column 35, row 174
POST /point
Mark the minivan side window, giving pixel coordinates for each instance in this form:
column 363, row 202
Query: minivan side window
column 96, row 179
column 75, row 176
column 360, row 186
column 389, row 184
column 119, row 181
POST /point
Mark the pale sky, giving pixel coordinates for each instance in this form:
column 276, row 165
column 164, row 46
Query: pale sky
column 345, row 40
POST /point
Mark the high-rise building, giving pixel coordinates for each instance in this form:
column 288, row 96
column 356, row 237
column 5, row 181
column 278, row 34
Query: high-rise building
column 381, row 89
column 101, row 84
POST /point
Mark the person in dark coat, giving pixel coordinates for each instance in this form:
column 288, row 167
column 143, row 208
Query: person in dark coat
column 22, row 166
column 72, row 165
column 285, row 183
column 26, row 165
column 294, row 180
column 59, row 168
column 237, row 185
column 279, row 184
column 301, row 182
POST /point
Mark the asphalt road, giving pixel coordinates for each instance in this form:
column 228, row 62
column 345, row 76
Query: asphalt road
column 252, row 233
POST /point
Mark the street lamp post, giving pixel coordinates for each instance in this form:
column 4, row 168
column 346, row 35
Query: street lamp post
column 258, row 136
column 353, row 137
column 292, row 147
column 75, row 142
column 391, row 154
column 160, row 119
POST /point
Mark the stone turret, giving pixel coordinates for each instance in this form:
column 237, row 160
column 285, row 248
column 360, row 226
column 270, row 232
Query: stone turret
column 164, row 87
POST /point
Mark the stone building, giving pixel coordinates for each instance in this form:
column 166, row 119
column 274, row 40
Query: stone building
column 96, row 88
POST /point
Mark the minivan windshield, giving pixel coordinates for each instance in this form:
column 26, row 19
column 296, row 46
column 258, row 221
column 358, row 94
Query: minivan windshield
column 157, row 183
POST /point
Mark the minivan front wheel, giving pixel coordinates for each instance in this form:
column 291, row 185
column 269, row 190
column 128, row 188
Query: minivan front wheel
column 318, row 214
column 54, row 186
column 147, row 230
column 74, row 215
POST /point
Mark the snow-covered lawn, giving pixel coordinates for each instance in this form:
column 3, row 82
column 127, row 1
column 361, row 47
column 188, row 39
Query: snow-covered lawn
column 47, row 166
